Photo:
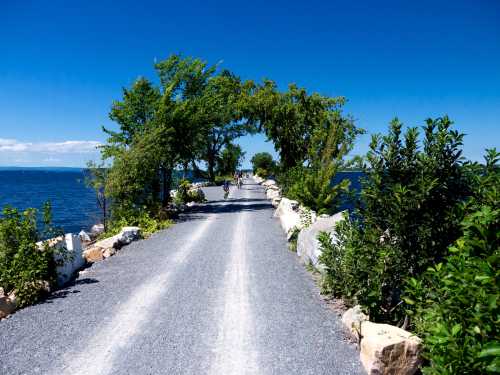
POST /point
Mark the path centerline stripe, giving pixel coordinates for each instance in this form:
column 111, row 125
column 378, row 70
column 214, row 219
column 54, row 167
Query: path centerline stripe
column 235, row 352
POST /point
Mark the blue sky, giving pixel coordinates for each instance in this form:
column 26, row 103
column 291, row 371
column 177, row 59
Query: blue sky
column 62, row 63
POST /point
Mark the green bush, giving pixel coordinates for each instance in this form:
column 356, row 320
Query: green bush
column 25, row 268
column 261, row 172
column 455, row 304
column 312, row 185
column 407, row 218
column 137, row 217
column 185, row 194
column 182, row 195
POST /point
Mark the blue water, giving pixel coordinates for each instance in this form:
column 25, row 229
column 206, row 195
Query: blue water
column 74, row 206
column 347, row 203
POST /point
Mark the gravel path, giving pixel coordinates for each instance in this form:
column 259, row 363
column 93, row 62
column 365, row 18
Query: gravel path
column 218, row 293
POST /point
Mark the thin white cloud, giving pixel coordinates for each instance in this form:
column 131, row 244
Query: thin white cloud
column 66, row 147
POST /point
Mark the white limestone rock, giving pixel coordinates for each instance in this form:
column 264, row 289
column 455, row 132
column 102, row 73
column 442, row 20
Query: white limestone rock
column 386, row 349
column 352, row 320
column 308, row 246
column 276, row 201
column 288, row 213
column 258, row 179
column 129, row 234
column 97, row 229
column 84, row 236
column 273, row 193
column 269, row 182
column 69, row 258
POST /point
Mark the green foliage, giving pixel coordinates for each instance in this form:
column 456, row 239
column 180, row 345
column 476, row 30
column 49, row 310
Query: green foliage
column 186, row 194
column 312, row 186
column 455, row 303
column 148, row 223
column 407, row 219
column 96, row 176
column 194, row 115
column 24, row 267
column 219, row 180
column 264, row 173
column 263, row 161
column 220, row 108
column 133, row 115
column 290, row 119
column 230, row 159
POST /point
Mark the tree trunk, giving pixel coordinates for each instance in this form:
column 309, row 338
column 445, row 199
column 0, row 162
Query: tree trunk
column 167, row 183
column 211, row 164
column 185, row 169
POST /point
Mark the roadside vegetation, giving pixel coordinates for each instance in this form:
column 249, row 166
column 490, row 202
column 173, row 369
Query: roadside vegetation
column 27, row 269
column 422, row 249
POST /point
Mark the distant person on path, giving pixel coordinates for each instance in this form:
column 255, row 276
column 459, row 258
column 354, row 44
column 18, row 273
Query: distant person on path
column 225, row 187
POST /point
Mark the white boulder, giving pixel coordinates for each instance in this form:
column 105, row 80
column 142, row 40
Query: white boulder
column 352, row 320
column 269, row 182
column 67, row 253
column 308, row 246
column 106, row 247
column 288, row 213
column 8, row 304
column 273, row 193
column 276, row 202
column 386, row 349
column 293, row 216
column 84, row 236
column 258, row 179
column 69, row 259
column 97, row 229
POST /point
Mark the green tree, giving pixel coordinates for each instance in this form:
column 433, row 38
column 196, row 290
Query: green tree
column 263, row 160
column 133, row 114
column 330, row 143
column 289, row 119
column 230, row 159
column 220, row 108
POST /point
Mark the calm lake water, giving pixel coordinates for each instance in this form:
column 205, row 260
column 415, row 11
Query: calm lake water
column 74, row 206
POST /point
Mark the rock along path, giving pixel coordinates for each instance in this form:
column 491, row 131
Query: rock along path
column 218, row 293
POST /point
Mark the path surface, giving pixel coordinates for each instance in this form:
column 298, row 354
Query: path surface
column 218, row 293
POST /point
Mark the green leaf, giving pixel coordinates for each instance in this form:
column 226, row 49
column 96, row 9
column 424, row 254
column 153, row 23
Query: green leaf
column 490, row 350
column 456, row 329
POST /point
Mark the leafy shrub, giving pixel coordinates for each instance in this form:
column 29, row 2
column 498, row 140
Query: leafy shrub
column 186, row 194
column 455, row 304
column 261, row 172
column 24, row 267
column 183, row 191
column 312, row 185
column 140, row 218
column 407, row 218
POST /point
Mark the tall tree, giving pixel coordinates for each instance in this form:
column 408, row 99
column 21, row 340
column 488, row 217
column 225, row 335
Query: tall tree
column 133, row 114
column 220, row 110
column 230, row 159
column 289, row 119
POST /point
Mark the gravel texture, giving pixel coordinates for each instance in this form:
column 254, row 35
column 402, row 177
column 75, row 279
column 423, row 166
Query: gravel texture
column 218, row 293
